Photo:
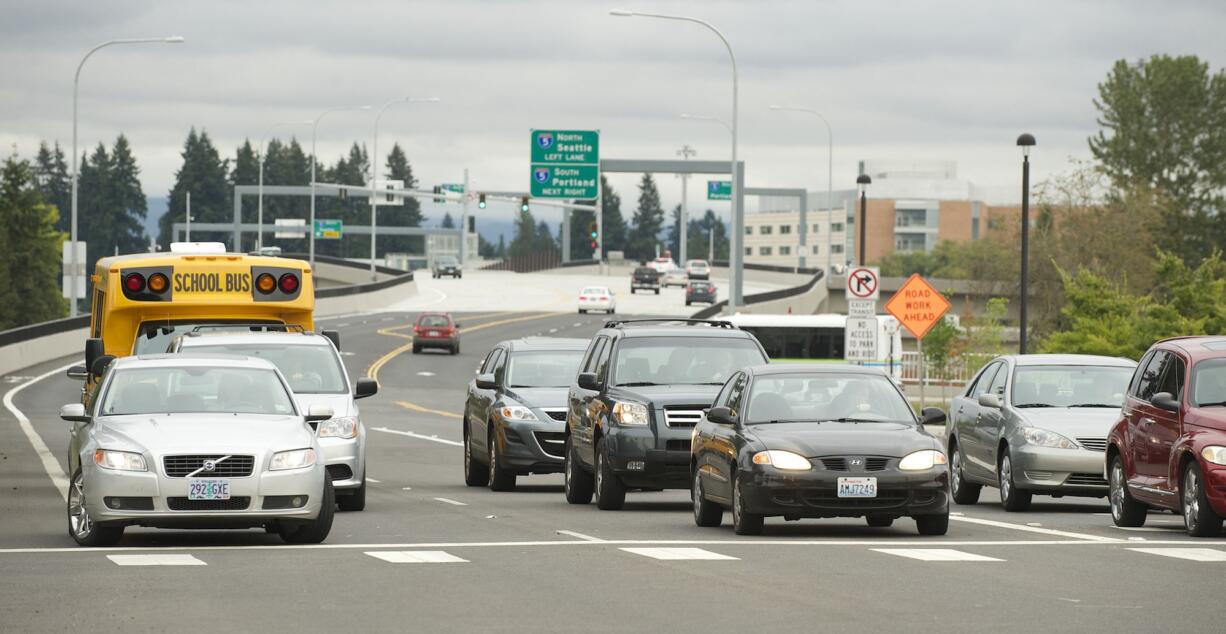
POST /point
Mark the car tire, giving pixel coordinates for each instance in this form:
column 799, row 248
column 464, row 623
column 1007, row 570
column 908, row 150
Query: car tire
column 81, row 527
column 879, row 521
column 582, row 312
column 455, row 349
column 610, row 492
column 706, row 513
column 612, row 311
column 475, row 473
column 355, row 501
column 657, row 291
column 962, row 491
column 500, row 478
column 631, row 290
column 1198, row 516
column 743, row 522
column 1012, row 499
column 687, row 302
column 416, row 349
column 315, row 531
column 932, row 524
column 578, row 483
column 1125, row 510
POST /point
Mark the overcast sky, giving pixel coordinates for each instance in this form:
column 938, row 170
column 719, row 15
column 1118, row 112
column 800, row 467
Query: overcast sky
column 897, row 80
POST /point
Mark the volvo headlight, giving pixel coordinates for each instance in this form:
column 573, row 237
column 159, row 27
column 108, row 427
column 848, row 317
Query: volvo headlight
column 1045, row 438
column 293, row 459
column 785, row 460
column 921, row 460
column 339, row 427
column 119, row 460
column 516, row 412
column 1215, row 454
column 629, row 413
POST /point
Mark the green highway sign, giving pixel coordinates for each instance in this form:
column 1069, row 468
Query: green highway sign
column 566, row 147
column 565, row 181
column 453, row 187
column 329, row 229
column 719, row 190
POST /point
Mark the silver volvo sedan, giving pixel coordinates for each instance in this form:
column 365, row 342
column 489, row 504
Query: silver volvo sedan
column 178, row 441
column 1035, row 424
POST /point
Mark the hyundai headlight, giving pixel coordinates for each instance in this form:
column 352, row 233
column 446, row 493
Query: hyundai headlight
column 339, row 427
column 785, row 460
column 293, row 459
column 921, row 460
column 629, row 413
column 1045, row 438
column 516, row 412
column 119, row 460
column 1215, row 454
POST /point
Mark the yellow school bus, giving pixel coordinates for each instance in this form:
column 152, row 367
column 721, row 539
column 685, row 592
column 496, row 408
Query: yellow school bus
column 141, row 301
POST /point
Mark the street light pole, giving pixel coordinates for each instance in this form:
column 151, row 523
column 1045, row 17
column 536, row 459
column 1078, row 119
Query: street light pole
column 76, row 81
column 863, row 181
column 735, row 272
column 259, row 234
column 1025, row 141
column 683, row 230
column 829, row 180
column 314, row 131
column 374, row 172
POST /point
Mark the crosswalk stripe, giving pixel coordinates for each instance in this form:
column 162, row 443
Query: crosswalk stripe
column 417, row 557
column 676, row 554
column 1192, row 554
column 934, row 554
column 155, row 560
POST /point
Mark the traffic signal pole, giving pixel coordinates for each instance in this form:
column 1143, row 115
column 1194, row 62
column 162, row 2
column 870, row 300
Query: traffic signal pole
column 464, row 221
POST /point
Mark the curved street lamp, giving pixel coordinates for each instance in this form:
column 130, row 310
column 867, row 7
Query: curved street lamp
column 374, row 171
column 863, row 181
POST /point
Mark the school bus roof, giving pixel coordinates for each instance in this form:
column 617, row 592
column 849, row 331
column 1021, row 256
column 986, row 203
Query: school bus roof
column 166, row 259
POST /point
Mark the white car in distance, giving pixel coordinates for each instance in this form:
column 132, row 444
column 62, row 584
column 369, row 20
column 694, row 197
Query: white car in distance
column 597, row 298
column 675, row 277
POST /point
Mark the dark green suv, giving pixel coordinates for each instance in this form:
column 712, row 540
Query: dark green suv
column 641, row 388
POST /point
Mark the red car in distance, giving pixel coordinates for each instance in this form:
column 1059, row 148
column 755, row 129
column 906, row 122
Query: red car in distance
column 1168, row 450
column 436, row 330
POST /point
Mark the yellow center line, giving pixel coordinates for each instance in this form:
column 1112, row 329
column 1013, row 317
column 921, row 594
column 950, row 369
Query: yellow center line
column 414, row 407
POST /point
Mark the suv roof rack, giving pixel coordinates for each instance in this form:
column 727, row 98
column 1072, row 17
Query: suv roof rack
column 714, row 323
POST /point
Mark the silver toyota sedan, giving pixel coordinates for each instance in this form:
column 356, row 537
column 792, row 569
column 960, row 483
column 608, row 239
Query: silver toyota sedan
column 178, row 441
column 1035, row 424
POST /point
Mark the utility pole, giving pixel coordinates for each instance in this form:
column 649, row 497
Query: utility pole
column 683, row 230
column 189, row 221
column 464, row 222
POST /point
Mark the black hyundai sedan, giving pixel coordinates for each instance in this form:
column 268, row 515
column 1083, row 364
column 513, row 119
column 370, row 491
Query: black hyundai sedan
column 814, row 441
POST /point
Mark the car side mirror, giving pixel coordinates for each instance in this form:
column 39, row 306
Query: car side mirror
column 365, row 387
column 93, row 350
column 78, row 372
column 988, row 399
column 318, row 413
column 100, row 364
column 333, row 336
column 457, row 325
column 486, row 382
column 932, row 416
column 721, row 416
column 1166, row 401
column 75, row 413
column 587, row 381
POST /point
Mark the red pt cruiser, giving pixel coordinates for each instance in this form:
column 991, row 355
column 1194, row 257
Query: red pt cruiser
column 1168, row 450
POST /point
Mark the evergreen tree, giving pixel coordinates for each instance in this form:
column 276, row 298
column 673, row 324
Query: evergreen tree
column 51, row 173
column 699, row 237
column 543, row 240
column 648, row 220
column 247, row 172
column 131, row 207
column 581, row 222
column 525, row 236
column 408, row 214
column 502, row 246
column 674, row 235
column 448, row 221
column 205, row 174
column 29, row 250
column 613, row 230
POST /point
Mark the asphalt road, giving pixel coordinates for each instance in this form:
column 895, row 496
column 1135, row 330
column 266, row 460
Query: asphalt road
column 430, row 554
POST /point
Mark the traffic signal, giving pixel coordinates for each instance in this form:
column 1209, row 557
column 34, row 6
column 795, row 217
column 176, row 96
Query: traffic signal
column 438, row 189
column 523, row 204
column 594, row 245
column 481, row 201
column 594, row 231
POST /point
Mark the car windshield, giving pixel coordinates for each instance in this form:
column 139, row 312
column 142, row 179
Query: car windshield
column 552, row 368
column 447, row 261
column 643, row 270
column 1070, row 386
column 434, row 321
column 858, row 398
column 310, row 369
column 195, row 389
column 701, row 287
column 1209, row 383
column 683, row 360
column 595, row 290
column 154, row 337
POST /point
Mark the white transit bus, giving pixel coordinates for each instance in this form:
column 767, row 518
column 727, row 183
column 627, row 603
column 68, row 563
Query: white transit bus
column 819, row 337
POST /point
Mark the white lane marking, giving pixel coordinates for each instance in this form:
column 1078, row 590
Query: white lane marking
column 406, row 488
column 155, row 560
column 678, row 554
column 934, row 554
column 369, row 479
column 552, row 330
column 417, row 557
column 1032, row 529
column 577, row 324
column 451, row 502
column 425, row 373
column 454, row 443
column 1191, row 554
column 580, row 536
column 343, row 324
column 58, row 478
column 1148, row 529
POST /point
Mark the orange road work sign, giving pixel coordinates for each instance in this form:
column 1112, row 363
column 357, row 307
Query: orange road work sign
column 917, row 306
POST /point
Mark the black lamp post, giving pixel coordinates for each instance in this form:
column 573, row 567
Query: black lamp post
column 863, row 181
column 1025, row 141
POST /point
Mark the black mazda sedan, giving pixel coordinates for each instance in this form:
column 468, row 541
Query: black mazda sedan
column 812, row 441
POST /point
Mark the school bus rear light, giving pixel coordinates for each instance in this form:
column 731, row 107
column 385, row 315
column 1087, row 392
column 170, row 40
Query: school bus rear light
column 158, row 283
column 266, row 283
column 134, row 282
column 288, row 283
